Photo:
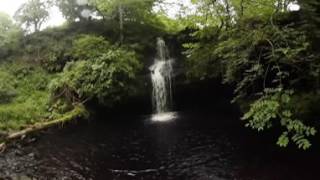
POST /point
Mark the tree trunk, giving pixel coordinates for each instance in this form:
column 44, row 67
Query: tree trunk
column 241, row 8
column 36, row 29
column 228, row 11
column 120, row 9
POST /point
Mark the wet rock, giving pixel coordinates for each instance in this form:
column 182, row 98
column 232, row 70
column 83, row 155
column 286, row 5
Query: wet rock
column 31, row 155
column 171, row 165
column 18, row 152
column 31, row 140
column 134, row 159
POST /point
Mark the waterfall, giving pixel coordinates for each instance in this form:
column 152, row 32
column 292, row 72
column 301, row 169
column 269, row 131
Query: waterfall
column 161, row 75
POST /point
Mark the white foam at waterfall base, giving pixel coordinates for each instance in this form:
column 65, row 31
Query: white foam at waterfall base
column 164, row 117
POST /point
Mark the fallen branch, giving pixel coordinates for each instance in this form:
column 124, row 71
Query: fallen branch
column 77, row 112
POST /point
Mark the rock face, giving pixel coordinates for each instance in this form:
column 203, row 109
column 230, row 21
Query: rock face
column 207, row 94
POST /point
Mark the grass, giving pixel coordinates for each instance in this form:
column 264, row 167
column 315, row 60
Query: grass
column 28, row 96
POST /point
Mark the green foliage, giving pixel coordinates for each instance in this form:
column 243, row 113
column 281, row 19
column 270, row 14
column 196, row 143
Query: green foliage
column 125, row 11
column 72, row 10
column 51, row 48
column 30, row 101
column 275, row 104
column 88, row 47
column 261, row 54
column 7, row 87
column 262, row 112
column 106, row 78
column 133, row 9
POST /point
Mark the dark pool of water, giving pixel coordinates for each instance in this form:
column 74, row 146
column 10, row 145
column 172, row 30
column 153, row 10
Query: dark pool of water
column 197, row 145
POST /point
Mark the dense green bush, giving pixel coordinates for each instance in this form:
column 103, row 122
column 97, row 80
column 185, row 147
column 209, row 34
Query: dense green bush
column 50, row 48
column 31, row 97
column 106, row 78
column 7, row 87
column 56, row 56
column 89, row 47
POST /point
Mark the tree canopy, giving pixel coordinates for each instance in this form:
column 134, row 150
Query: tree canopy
column 33, row 14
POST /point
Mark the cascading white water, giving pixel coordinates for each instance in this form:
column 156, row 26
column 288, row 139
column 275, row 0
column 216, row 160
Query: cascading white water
column 161, row 75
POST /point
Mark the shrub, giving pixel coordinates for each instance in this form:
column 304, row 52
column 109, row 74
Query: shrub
column 7, row 87
column 26, row 95
column 89, row 47
column 106, row 78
